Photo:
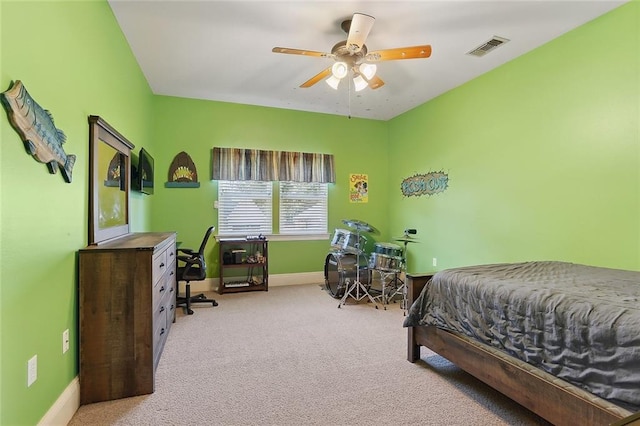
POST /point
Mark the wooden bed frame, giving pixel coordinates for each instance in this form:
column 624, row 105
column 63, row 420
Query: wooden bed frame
column 553, row 399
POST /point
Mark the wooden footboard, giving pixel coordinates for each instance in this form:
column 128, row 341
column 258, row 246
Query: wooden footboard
column 549, row 397
column 415, row 284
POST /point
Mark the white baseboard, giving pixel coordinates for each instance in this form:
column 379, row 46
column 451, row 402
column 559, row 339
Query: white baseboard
column 294, row 279
column 211, row 284
column 65, row 407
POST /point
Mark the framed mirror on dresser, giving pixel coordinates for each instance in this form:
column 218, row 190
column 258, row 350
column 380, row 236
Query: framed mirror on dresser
column 109, row 181
column 126, row 281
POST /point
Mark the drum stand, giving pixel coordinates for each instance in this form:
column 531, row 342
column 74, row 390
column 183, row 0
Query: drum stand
column 354, row 289
column 387, row 295
column 403, row 288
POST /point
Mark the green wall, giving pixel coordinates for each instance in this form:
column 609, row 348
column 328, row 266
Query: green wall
column 74, row 61
column 359, row 146
column 543, row 156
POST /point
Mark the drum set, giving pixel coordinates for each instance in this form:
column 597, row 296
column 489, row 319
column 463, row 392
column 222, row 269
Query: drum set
column 349, row 271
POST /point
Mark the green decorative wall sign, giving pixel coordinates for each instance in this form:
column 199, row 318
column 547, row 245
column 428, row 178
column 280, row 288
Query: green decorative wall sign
column 425, row 184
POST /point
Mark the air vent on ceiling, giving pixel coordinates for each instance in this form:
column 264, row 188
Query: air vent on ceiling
column 487, row 47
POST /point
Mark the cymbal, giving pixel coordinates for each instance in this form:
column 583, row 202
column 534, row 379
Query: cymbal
column 359, row 225
column 405, row 239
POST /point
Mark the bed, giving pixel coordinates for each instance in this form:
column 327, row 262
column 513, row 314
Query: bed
column 559, row 338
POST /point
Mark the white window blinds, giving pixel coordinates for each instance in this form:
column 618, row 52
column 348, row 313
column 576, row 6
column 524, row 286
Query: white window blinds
column 303, row 208
column 244, row 207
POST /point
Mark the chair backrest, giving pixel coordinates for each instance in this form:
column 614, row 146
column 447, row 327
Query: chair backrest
column 205, row 239
column 196, row 269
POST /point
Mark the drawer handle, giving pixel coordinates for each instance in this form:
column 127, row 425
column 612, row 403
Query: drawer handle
column 171, row 273
column 171, row 254
column 162, row 331
column 162, row 289
column 162, row 265
column 171, row 308
column 161, row 308
column 170, row 289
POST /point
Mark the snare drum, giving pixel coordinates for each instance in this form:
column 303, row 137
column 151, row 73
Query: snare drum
column 388, row 249
column 340, row 272
column 347, row 241
column 383, row 262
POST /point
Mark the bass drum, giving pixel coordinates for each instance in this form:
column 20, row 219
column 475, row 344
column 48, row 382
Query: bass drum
column 340, row 272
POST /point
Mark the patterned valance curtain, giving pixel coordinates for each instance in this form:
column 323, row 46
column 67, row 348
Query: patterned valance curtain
column 244, row 164
column 306, row 167
column 253, row 164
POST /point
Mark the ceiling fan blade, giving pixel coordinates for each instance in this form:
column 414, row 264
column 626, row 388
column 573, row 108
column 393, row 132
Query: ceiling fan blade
column 316, row 78
column 358, row 31
column 301, row 52
column 412, row 52
column 375, row 82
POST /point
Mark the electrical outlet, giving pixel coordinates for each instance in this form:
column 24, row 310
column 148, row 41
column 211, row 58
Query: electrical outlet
column 65, row 341
column 435, row 262
column 32, row 370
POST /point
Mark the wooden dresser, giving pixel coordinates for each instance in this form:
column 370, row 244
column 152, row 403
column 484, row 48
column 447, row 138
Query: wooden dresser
column 127, row 304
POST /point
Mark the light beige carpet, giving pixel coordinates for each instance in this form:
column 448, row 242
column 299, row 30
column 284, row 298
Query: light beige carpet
column 290, row 356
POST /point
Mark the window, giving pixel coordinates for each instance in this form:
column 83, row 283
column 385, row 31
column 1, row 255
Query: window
column 244, row 207
column 245, row 191
column 303, row 207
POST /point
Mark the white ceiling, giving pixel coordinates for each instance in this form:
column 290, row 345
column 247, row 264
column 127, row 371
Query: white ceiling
column 221, row 50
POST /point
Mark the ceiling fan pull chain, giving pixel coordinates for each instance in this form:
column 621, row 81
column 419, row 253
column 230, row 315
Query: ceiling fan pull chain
column 349, row 94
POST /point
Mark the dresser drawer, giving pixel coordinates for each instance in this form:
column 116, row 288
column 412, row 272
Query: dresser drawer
column 171, row 285
column 171, row 253
column 164, row 301
column 171, row 312
column 162, row 319
column 160, row 290
column 160, row 314
column 159, row 265
column 160, row 333
column 164, row 297
column 163, row 260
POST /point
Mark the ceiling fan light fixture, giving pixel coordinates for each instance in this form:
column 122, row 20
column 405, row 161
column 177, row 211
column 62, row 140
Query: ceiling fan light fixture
column 368, row 70
column 360, row 83
column 333, row 82
column 353, row 59
column 339, row 70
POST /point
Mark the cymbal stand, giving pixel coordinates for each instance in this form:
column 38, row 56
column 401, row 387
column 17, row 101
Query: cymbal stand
column 355, row 287
column 402, row 289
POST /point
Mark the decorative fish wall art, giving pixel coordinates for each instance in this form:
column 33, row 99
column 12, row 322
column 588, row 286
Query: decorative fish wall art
column 39, row 134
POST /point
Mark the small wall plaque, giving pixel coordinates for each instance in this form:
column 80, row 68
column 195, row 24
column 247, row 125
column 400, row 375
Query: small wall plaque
column 182, row 172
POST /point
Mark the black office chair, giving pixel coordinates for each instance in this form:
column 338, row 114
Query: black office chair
column 194, row 269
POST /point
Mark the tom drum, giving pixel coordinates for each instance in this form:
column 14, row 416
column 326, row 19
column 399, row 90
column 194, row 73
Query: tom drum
column 347, row 241
column 340, row 272
column 388, row 249
column 382, row 262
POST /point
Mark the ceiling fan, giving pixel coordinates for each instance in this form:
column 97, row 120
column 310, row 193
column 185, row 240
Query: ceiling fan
column 352, row 55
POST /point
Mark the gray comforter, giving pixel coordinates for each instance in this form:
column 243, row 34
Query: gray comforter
column 579, row 323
